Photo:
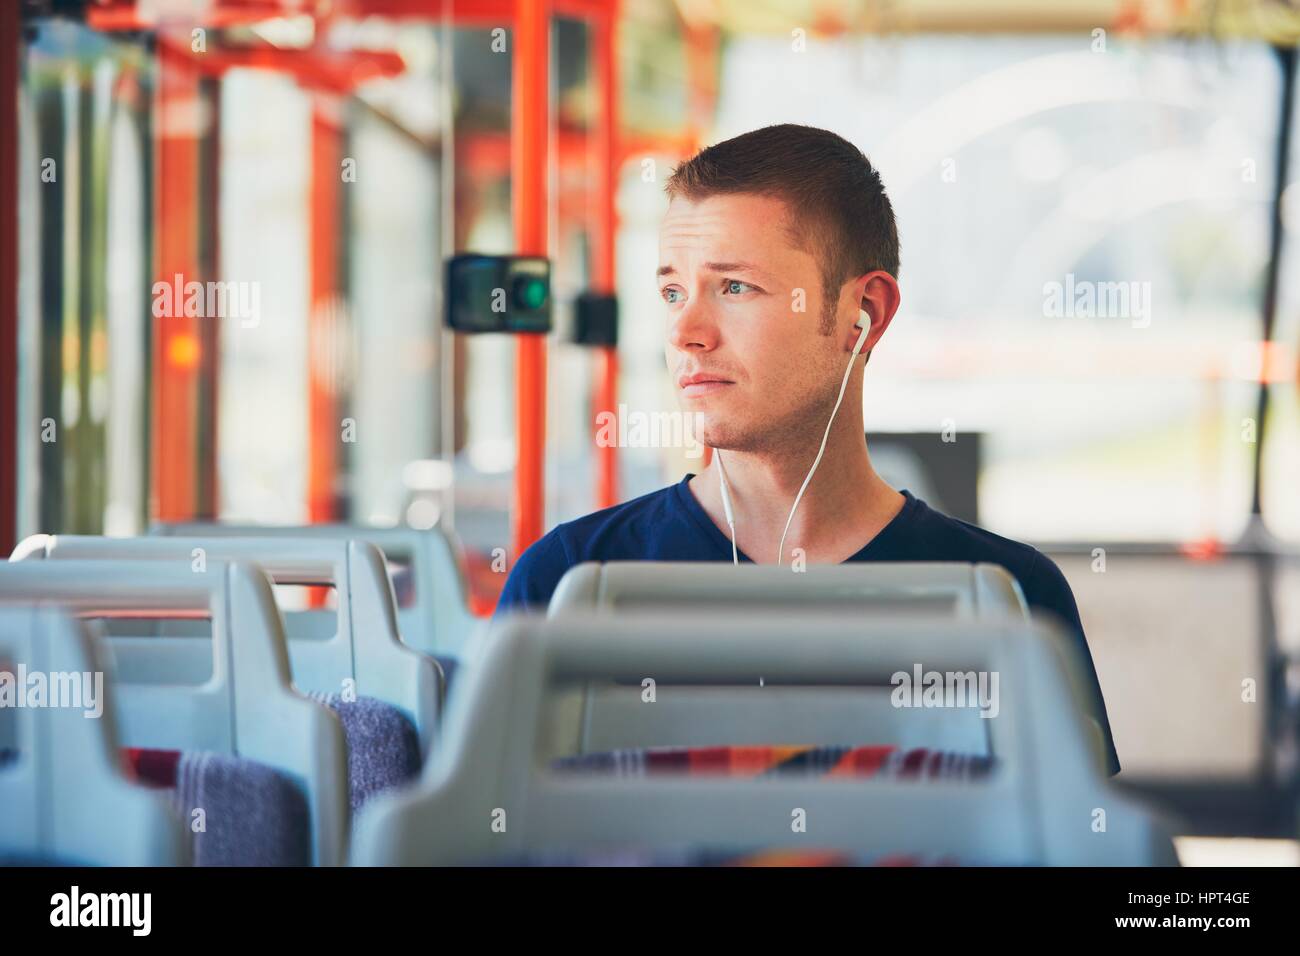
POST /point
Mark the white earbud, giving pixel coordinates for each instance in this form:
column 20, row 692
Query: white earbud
column 862, row 339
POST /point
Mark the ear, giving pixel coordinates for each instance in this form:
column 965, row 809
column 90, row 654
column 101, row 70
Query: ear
column 878, row 301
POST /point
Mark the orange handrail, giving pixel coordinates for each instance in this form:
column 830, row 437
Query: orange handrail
column 174, row 439
column 528, row 128
column 323, row 424
column 605, row 178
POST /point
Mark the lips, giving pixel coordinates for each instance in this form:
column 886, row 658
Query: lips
column 702, row 383
column 702, row 378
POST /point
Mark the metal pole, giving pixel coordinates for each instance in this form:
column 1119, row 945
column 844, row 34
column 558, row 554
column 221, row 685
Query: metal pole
column 528, row 133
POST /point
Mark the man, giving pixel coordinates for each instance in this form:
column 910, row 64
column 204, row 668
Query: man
column 778, row 253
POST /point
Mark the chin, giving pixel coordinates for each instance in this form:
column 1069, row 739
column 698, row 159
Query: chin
column 721, row 434
column 716, row 426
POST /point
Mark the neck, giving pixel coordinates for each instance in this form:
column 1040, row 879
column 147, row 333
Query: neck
column 845, row 505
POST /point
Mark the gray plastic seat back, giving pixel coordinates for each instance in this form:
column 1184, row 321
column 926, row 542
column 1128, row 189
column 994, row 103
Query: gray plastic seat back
column 488, row 791
column 952, row 589
column 65, row 796
column 360, row 652
column 438, row 622
column 608, row 717
column 245, row 704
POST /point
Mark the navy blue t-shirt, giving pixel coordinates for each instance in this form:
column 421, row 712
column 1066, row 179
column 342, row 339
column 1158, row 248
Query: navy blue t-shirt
column 671, row 525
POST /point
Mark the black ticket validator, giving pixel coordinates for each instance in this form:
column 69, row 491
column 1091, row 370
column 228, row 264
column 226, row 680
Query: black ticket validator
column 595, row 320
column 498, row 293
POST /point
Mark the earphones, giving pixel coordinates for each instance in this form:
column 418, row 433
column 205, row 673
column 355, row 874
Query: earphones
column 865, row 325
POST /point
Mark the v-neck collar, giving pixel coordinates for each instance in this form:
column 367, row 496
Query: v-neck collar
column 722, row 544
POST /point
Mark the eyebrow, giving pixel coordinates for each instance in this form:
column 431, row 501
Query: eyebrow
column 714, row 267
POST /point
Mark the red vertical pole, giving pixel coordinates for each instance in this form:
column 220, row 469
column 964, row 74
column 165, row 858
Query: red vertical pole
column 323, row 434
column 605, row 68
column 10, row 54
column 528, row 128
column 176, row 352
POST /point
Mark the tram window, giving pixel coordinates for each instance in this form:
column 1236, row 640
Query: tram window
column 83, row 242
column 1005, row 204
column 570, row 488
column 265, row 142
column 390, row 355
column 482, row 440
column 126, row 267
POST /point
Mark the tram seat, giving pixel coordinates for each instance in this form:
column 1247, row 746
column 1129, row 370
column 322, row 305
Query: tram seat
column 242, row 703
column 354, row 650
column 436, row 620
column 489, row 792
column 61, row 778
column 609, row 716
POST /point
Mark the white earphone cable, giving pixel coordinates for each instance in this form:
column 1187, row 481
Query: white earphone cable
column 726, row 505
column 722, row 470
column 844, row 382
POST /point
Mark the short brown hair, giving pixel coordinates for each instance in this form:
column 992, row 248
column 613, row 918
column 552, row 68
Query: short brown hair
column 838, row 207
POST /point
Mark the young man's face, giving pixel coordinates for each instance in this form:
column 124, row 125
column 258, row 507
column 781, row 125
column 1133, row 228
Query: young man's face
column 733, row 279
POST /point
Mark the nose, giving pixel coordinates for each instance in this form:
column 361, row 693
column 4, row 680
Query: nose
column 693, row 329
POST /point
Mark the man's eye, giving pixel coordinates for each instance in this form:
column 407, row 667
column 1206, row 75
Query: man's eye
column 736, row 287
column 671, row 296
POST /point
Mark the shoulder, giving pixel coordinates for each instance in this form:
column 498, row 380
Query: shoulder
column 535, row 575
column 587, row 537
column 951, row 539
column 538, row 570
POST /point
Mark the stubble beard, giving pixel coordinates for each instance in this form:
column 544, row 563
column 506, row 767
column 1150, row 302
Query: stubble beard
column 785, row 430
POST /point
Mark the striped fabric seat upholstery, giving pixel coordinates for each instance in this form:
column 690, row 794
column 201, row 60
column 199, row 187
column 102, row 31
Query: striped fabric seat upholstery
column 383, row 745
column 883, row 761
column 240, row 812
